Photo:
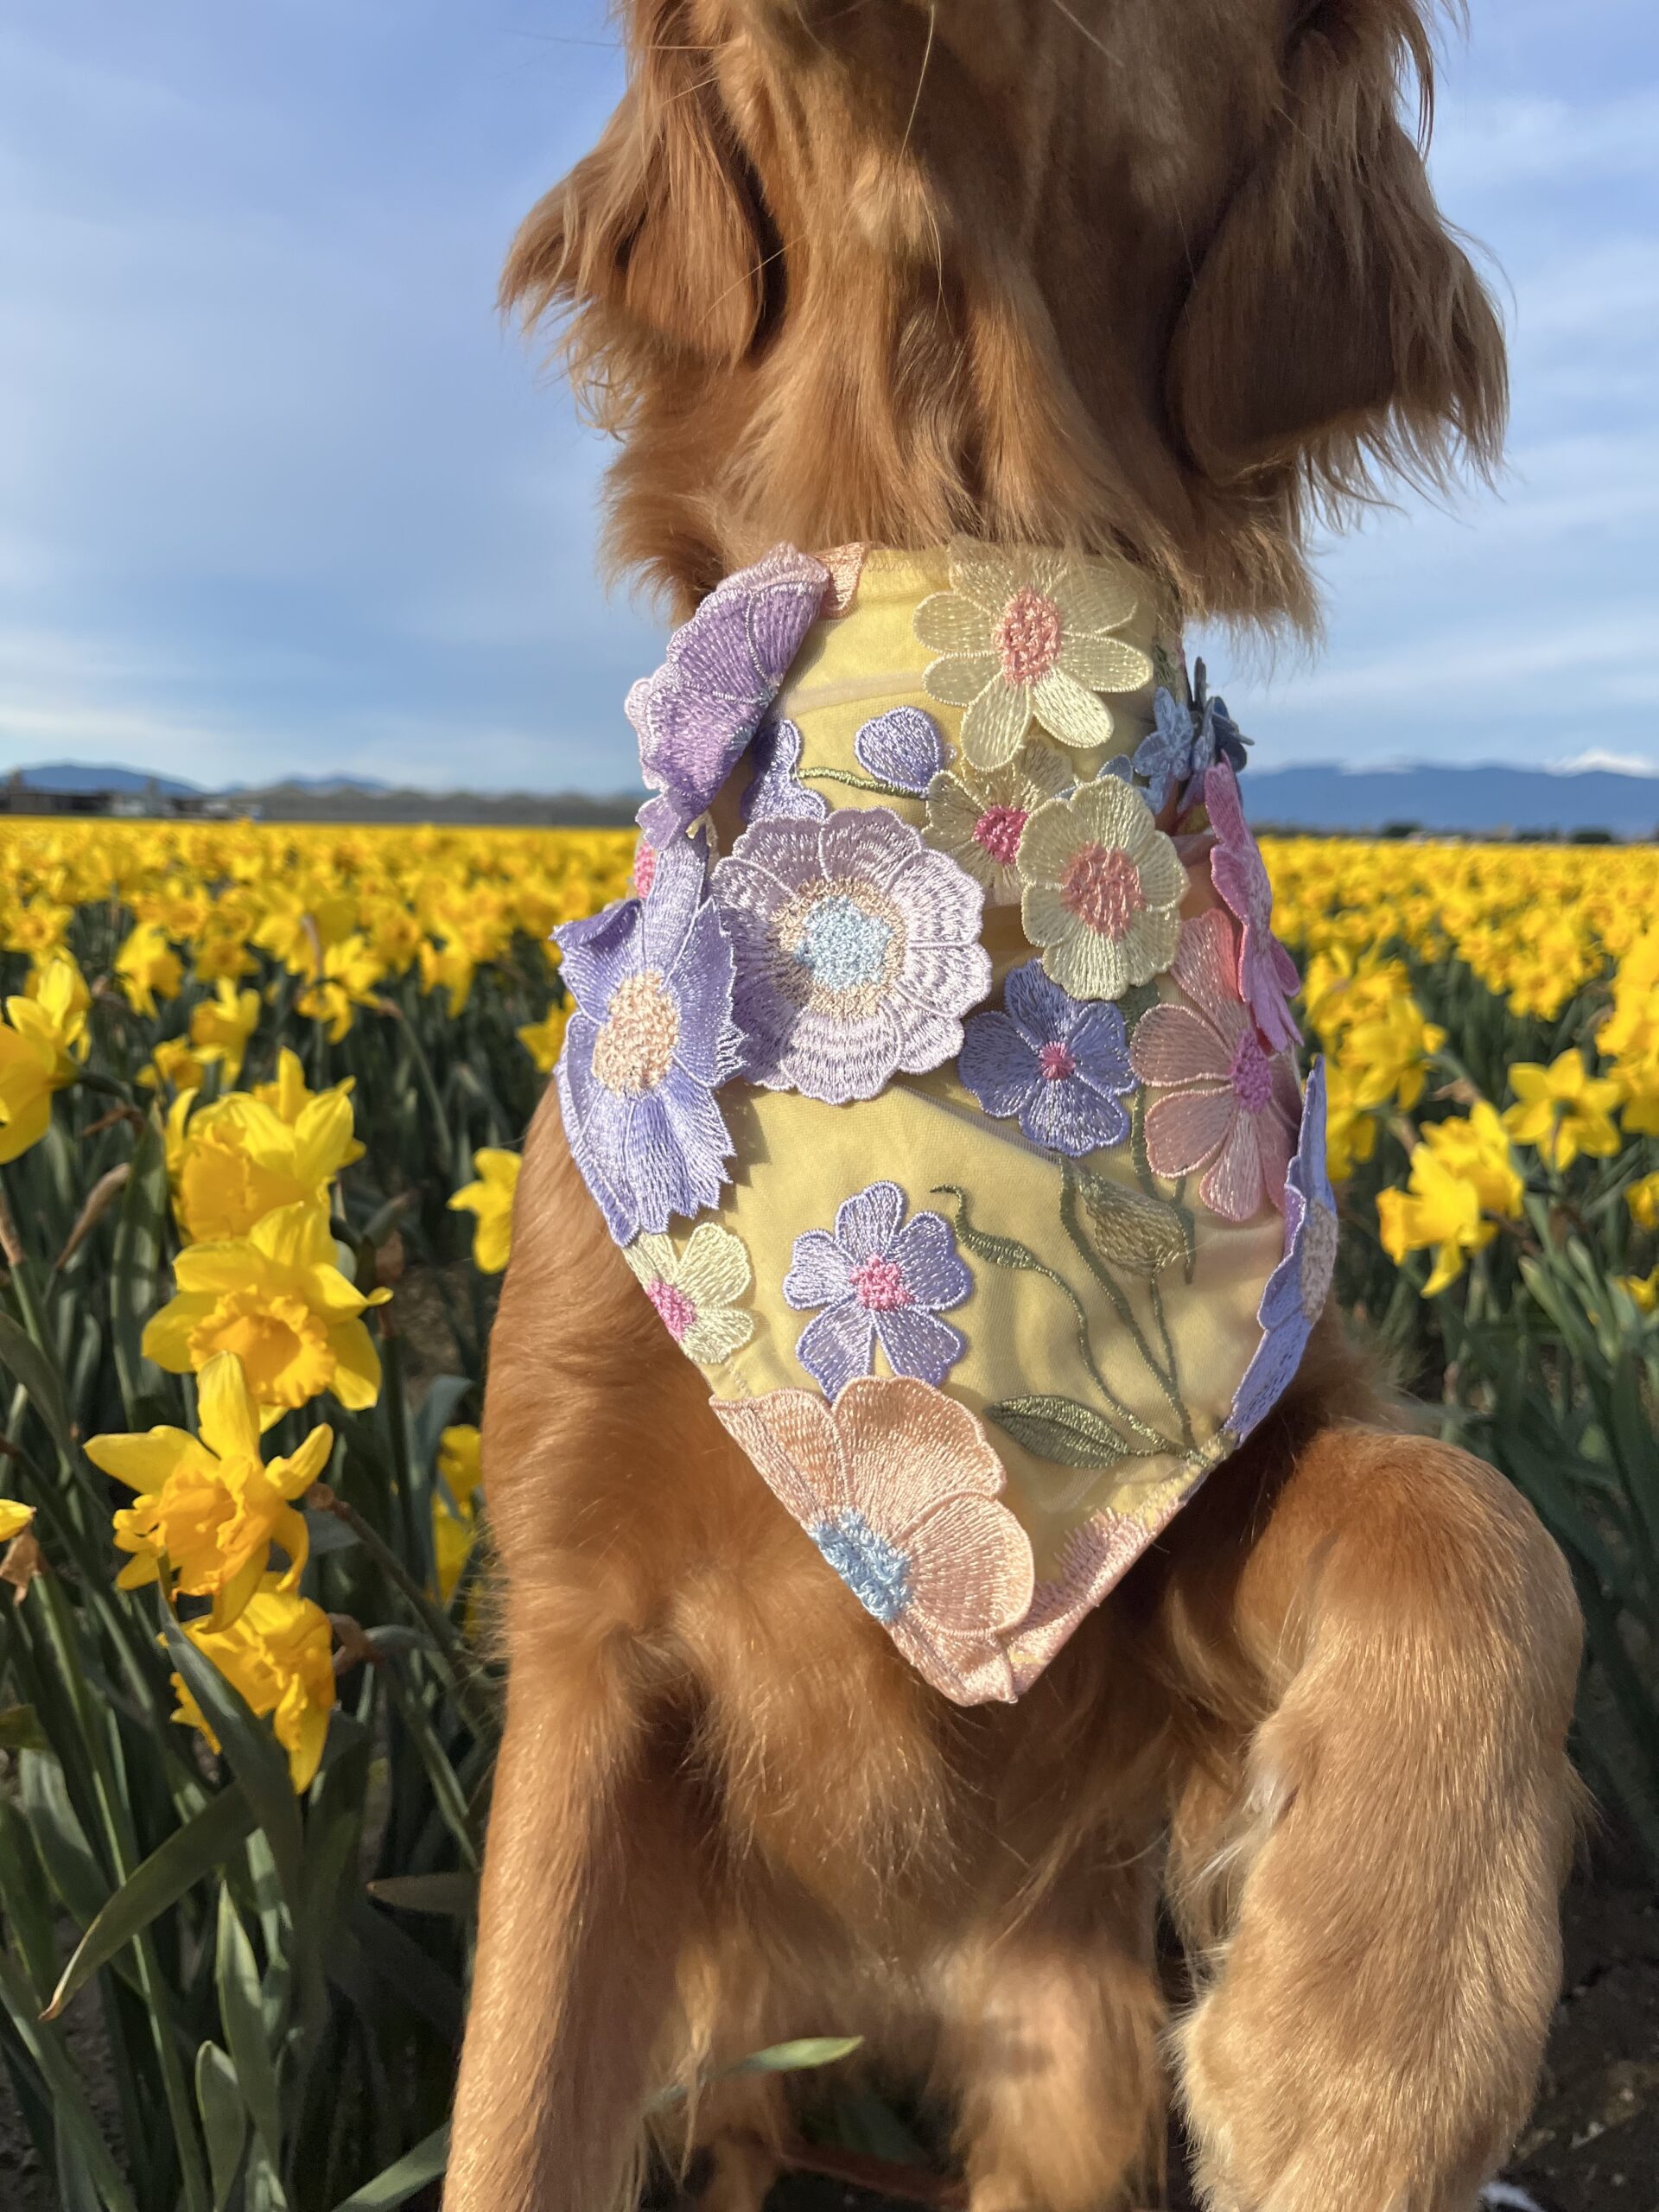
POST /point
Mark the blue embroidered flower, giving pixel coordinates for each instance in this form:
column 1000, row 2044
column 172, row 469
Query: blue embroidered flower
column 902, row 747
column 1216, row 735
column 775, row 788
column 698, row 714
column 1061, row 1064
column 878, row 1276
column 647, row 1046
column 1299, row 1284
column 1163, row 756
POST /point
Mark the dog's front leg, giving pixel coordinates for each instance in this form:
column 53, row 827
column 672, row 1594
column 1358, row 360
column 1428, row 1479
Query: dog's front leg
column 577, row 1947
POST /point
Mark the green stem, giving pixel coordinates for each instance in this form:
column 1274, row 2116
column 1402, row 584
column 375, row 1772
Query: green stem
column 1121, row 1306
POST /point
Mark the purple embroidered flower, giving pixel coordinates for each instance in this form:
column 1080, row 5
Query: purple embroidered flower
column 697, row 715
column 878, row 1276
column 1061, row 1064
column 1299, row 1284
column 857, row 952
column 902, row 747
column 775, row 788
column 1163, row 756
column 1267, row 974
column 1215, row 735
column 646, row 1047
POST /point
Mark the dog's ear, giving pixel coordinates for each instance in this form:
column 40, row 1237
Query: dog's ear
column 661, row 225
column 1334, row 321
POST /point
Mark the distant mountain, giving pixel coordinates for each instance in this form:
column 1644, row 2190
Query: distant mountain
column 1489, row 800
column 79, row 776
column 320, row 784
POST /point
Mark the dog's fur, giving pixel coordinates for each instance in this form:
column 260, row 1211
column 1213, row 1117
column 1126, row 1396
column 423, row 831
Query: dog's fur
column 1163, row 278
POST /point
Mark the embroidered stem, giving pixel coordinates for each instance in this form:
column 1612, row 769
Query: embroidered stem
column 1006, row 1252
column 857, row 783
column 1121, row 1306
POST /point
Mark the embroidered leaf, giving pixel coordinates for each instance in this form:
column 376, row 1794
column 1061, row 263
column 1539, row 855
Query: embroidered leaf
column 997, row 1251
column 1138, row 999
column 1060, row 1429
column 1130, row 1229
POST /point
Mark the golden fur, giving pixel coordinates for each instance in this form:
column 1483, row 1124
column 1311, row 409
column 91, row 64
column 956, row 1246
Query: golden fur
column 1163, row 277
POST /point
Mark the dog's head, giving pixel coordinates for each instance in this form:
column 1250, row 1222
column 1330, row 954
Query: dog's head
column 1161, row 276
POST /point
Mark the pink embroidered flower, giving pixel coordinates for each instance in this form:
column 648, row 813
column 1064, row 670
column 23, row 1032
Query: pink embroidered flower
column 1228, row 1107
column 979, row 817
column 695, row 1291
column 1025, row 637
column 898, row 1487
column 1267, row 974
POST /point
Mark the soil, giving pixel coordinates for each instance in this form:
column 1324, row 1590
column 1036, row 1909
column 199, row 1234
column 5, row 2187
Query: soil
column 1593, row 2145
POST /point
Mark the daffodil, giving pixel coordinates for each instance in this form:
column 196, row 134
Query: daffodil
column 350, row 971
column 1562, row 1109
column 208, row 1510
column 491, row 1199
column 220, row 1027
column 278, row 1652
column 59, row 990
column 1463, row 1181
column 14, row 1518
column 36, row 1043
column 149, row 967
column 1643, row 1199
column 542, row 1040
column 174, row 1065
column 1643, row 1289
column 454, row 1524
column 249, row 1154
column 276, row 1299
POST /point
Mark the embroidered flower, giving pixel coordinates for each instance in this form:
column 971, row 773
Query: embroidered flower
column 979, row 815
column 898, row 1488
column 696, row 1291
column 1028, row 637
column 645, row 1048
column 644, row 866
column 1298, row 1286
column 857, row 952
column 902, row 747
column 1163, row 756
column 878, row 1275
column 698, row 714
column 775, row 787
column 1216, row 736
column 1061, row 1064
column 1227, row 1108
column 1103, row 888
column 1267, row 974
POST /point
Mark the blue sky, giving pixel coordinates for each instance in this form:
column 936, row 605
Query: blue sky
column 277, row 495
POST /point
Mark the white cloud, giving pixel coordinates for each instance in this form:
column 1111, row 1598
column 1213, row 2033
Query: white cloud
column 1618, row 764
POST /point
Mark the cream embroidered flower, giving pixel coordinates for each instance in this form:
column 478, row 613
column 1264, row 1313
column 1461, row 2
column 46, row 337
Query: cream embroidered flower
column 979, row 815
column 1025, row 637
column 1103, row 890
column 695, row 1291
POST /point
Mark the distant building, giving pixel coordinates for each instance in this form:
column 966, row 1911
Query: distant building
column 39, row 793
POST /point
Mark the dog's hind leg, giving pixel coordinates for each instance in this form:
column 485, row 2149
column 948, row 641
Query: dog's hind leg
column 1366, row 1858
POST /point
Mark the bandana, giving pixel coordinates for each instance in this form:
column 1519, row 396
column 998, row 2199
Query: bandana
column 938, row 1081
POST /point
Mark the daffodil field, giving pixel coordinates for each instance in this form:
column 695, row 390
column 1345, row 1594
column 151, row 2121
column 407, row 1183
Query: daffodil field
column 262, row 1093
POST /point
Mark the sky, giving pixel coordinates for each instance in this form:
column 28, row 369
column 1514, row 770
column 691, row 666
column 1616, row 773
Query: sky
column 279, row 495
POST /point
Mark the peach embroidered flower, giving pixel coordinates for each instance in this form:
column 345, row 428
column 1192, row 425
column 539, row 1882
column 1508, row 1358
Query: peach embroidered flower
column 1227, row 1108
column 696, row 1291
column 1103, row 890
column 979, row 815
column 898, row 1487
column 1025, row 638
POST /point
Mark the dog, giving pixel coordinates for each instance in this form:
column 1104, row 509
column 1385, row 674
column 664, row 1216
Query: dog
column 1161, row 284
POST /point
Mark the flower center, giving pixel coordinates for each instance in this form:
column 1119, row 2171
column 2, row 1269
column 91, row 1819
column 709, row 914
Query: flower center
column 998, row 830
column 1251, row 1075
column 876, row 1572
column 842, row 945
column 1055, row 1061
column 634, row 1049
column 1319, row 1259
column 880, row 1287
column 645, row 869
column 676, row 1310
column 1102, row 887
column 282, row 1344
column 1029, row 637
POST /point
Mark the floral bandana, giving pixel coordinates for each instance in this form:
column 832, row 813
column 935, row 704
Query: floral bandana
column 937, row 1080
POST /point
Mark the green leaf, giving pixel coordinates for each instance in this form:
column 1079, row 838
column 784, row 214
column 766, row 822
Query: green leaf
column 72, row 1866
column 242, row 2018
column 452, row 1896
column 188, row 1854
column 797, row 2057
column 77, row 2190
column 21, row 1731
column 1128, row 1227
column 996, row 1251
column 1060, row 1429
column 26, row 1898
column 36, row 1375
column 70, row 2108
column 223, row 2119
column 425, row 2162
column 134, row 1273
column 258, row 1760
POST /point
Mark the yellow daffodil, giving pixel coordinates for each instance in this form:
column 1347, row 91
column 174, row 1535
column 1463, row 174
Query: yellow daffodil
column 454, row 1528
column 242, row 1157
column 37, row 1039
column 278, row 1652
column 59, row 988
column 1562, row 1109
column 1643, row 1199
column 460, row 1462
column 277, row 1299
column 450, row 969
column 543, row 1040
column 1644, row 1289
column 149, row 967
column 174, row 1065
column 491, row 1199
column 209, row 1510
column 14, row 1518
column 350, row 971
column 1462, row 1174
column 221, row 1027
